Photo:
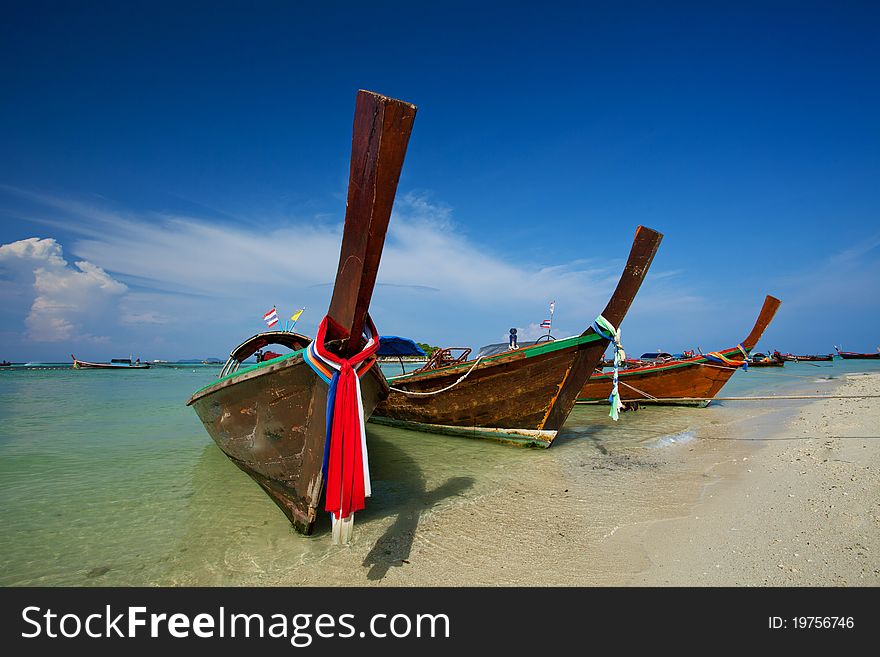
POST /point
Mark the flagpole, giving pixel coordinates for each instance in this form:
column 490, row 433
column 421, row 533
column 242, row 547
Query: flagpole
column 298, row 314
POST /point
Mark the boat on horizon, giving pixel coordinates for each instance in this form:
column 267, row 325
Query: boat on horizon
column 274, row 419
column 193, row 362
column 114, row 364
column 764, row 360
column 520, row 396
column 689, row 381
column 808, row 358
column 853, row 355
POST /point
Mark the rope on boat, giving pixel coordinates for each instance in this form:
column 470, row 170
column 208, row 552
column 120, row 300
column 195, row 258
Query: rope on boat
column 761, row 398
column 641, row 392
column 793, row 376
column 770, row 397
column 437, row 392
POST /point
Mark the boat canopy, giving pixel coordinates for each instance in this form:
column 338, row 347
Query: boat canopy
column 287, row 339
column 499, row 348
column 656, row 355
column 392, row 345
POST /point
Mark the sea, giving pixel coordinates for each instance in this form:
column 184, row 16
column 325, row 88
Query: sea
column 107, row 478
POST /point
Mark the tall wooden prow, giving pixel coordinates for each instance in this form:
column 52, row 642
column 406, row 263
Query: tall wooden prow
column 768, row 310
column 381, row 133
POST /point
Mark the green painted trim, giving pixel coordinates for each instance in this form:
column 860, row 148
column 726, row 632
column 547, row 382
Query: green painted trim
column 690, row 363
column 517, row 440
column 556, row 345
column 251, row 368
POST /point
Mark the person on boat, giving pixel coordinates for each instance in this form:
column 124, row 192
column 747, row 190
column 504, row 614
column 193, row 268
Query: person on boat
column 513, row 344
column 137, row 362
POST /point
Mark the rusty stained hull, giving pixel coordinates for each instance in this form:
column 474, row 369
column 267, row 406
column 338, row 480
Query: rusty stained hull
column 270, row 421
column 510, row 399
column 691, row 382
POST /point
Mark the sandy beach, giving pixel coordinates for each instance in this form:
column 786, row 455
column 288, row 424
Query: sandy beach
column 754, row 493
column 801, row 510
column 785, row 495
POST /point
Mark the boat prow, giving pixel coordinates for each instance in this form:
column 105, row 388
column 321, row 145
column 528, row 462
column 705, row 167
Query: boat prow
column 693, row 381
column 521, row 396
column 271, row 419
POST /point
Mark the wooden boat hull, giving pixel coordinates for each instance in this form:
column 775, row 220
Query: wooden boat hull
column 507, row 398
column 687, row 382
column 523, row 396
column 270, row 420
column 85, row 365
column 772, row 362
column 691, row 382
column 846, row 355
column 808, row 359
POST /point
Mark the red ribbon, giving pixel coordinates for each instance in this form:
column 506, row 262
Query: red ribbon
column 345, row 470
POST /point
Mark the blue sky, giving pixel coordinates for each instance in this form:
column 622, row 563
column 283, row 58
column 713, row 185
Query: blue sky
column 169, row 172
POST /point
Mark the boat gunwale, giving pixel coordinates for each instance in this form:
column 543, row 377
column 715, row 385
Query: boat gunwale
column 669, row 365
column 245, row 373
column 513, row 354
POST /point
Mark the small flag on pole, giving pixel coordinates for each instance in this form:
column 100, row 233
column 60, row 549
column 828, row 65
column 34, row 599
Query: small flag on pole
column 295, row 316
column 271, row 318
column 546, row 324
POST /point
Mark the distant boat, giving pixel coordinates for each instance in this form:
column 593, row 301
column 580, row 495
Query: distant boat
column 5, row 363
column 187, row 364
column 852, row 355
column 692, row 380
column 114, row 364
column 763, row 360
column 812, row 357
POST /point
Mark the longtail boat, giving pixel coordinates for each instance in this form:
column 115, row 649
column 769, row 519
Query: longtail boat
column 809, row 358
column 521, row 396
column 689, row 381
column 852, row 355
column 114, row 364
column 273, row 419
column 763, row 360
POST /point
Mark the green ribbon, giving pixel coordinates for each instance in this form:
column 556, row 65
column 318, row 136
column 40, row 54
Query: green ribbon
column 606, row 329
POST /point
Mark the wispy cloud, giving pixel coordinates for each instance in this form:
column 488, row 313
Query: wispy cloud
column 185, row 274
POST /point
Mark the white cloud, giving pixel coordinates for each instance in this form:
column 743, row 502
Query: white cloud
column 205, row 284
column 68, row 302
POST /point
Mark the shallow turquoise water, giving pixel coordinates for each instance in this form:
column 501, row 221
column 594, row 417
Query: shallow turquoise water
column 107, row 478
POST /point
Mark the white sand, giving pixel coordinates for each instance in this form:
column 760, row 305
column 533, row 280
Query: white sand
column 804, row 510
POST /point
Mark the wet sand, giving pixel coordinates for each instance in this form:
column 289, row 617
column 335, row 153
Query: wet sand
column 777, row 494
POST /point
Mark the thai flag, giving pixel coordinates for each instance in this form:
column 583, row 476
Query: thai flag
column 271, row 318
column 545, row 324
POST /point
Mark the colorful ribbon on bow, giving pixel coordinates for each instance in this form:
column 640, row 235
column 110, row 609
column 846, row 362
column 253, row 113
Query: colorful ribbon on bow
column 718, row 357
column 606, row 329
column 346, row 465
